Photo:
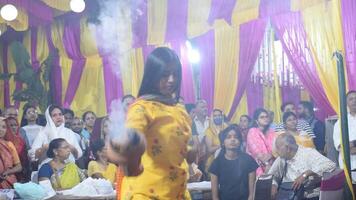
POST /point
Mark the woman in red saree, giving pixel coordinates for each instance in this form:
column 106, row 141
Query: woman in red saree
column 13, row 135
column 9, row 160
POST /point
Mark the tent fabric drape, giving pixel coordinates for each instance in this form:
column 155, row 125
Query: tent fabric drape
column 349, row 32
column 289, row 28
column 251, row 36
column 323, row 31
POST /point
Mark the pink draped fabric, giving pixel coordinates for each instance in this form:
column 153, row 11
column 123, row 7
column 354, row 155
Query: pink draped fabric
column 176, row 28
column 56, row 71
column 349, row 31
column 187, row 86
column 290, row 30
column 139, row 24
column 254, row 93
column 221, row 9
column 251, row 36
column 71, row 43
column 290, row 94
column 206, row 47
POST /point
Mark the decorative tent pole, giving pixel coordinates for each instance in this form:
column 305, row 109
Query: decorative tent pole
column 345, row 145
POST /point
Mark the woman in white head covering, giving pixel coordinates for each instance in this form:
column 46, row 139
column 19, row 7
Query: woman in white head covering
column 54, row 129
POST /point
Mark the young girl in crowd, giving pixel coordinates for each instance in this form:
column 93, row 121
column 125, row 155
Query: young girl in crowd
column 233, row 171
column 101, row 167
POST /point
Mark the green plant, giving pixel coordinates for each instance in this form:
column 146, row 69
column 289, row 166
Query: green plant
column 37, row 90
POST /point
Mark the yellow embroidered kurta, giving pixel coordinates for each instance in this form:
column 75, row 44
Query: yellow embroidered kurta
column 167, row 132
column 109, row 173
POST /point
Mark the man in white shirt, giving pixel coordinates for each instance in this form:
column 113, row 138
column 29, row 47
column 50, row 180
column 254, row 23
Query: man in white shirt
column 297, row 164
column 201, row 119
column 351, row 104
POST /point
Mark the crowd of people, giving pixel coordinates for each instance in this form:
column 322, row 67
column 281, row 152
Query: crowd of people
column 170, row 144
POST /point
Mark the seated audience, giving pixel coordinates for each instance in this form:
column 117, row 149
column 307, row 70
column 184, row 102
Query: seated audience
column 101, row 167
column 351, row 116
column 301, row 125
column 290, row 126
column 13, row 135
column 9, row 160
column 298, row 164
column 244, row 125
column 260, row 140
column 62, row 175
column 11, row 111
column 54, row 129
column 306, row 112
column 216, row 125
column 29, row 126
column 89, row 118
column 77, row 127
column 68, row 117
column 233, row 172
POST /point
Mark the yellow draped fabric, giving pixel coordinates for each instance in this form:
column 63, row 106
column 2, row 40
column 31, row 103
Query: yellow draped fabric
column 21, row 21
column 42, row 45
column 88, row 46
column 226, row 64
column 277, row 91
column 62, row 5
column 244, row 11
column 323, row 27
column 198, row 14
column 91, row 90
column 241, row 109
column 297, row 5
column 156, row 21
column 269, row 101
column 57, row 36
column 66, row 67
column 137, row 70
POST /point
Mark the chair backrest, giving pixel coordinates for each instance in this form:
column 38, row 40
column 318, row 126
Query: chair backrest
column 332, row 185
column 263, row 187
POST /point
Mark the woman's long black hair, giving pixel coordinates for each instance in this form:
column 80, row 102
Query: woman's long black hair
column 155, row 64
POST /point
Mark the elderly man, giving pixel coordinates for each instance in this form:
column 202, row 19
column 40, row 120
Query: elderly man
column 297, row 164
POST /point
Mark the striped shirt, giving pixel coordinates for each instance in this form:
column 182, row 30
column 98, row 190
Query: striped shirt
column 302, row 126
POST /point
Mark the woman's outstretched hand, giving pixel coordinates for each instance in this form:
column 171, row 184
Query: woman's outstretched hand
column 126, row 151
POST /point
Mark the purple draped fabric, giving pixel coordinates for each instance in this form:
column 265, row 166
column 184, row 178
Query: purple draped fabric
column 187, row 88
column 221, row 9
column 111, row 70
column 176, row 28
column 71, row 43
column 206, row 46
column 34, row 60
column 56, row 72
column 349, row 30
column 251, row 36
column 273, row 7
column 290, row 94
column 254, row 93
column 139, row 24
column 36, row 9
column 6, row 82
column 146, row 50
column 289, row 28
